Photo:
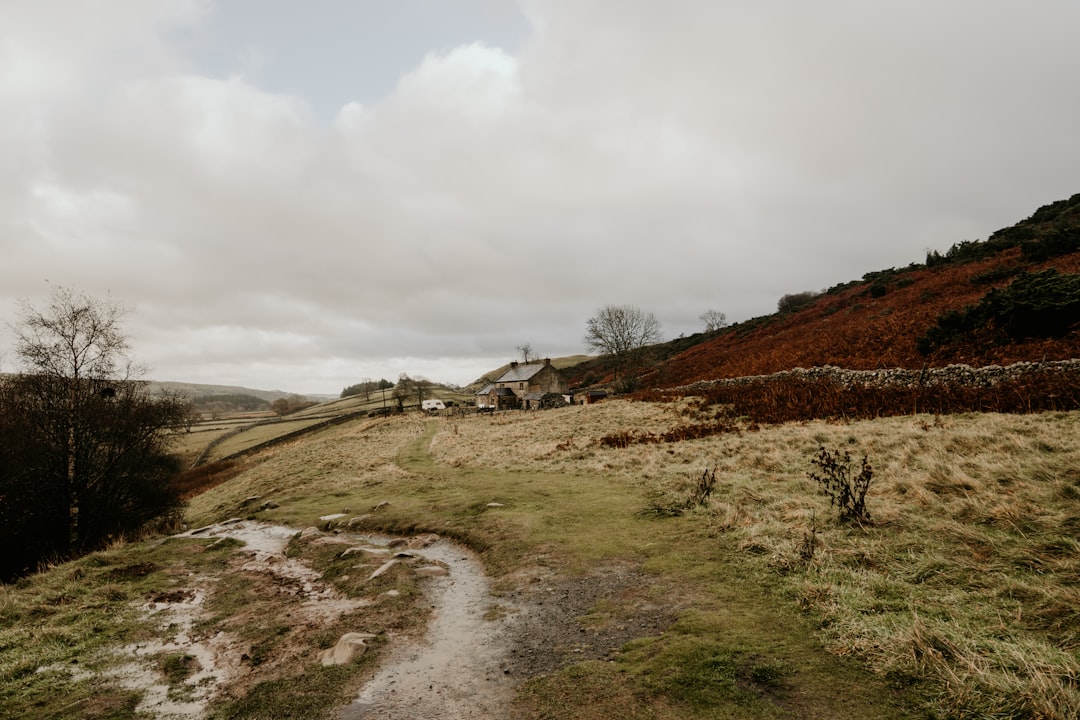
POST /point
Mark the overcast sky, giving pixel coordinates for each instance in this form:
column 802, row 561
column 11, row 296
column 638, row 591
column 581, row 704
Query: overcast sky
column 301, row 195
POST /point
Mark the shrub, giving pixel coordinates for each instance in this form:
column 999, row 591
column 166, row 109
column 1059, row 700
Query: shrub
column 796, row 301
column 662, row 505
column 846, row 492
column 700, row 496
column 1040, row 305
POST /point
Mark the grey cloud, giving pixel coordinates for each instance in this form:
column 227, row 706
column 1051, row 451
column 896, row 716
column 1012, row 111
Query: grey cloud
column 679, row 156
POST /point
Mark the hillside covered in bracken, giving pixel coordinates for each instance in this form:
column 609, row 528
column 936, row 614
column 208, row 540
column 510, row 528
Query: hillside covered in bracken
column 1013, row 297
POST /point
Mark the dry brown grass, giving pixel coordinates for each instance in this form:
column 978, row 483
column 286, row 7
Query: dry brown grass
column 969, row 575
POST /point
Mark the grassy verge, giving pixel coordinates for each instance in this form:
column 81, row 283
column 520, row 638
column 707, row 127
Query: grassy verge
column 57, row 628
column 89, row 639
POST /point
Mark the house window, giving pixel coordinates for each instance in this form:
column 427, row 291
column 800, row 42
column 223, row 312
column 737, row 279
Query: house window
column 521, row 386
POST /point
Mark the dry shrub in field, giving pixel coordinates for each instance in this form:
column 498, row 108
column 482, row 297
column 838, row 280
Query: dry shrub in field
column 626, row 438
column 846, row 491
column 808, row 545
column 661, row 505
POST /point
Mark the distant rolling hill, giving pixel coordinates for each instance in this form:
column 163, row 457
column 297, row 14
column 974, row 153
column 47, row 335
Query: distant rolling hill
column 199, row 390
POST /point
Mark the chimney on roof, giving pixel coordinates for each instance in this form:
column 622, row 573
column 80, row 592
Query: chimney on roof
column 547, row 361
column 513, row 364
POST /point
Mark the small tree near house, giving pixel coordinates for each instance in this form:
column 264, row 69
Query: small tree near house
column 621, row 331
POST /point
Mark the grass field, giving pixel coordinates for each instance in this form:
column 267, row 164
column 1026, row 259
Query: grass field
column 959, row 599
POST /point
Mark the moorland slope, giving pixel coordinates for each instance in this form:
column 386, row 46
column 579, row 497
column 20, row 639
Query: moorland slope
column 1013, row 297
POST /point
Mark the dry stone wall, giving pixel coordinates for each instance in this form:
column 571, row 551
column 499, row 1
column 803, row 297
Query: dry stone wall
column 952, row 375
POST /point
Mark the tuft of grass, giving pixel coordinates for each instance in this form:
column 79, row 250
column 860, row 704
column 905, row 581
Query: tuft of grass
column 177, row 667
column 307, row 694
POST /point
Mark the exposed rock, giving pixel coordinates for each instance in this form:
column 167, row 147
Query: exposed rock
column 380, row 505
column 249, row 500
column 494, row 505
column 330, row 522
column 383, row 568
column 422, row 541
column 351, row 646
column 309, row 532
column 332, row 517
column 364, row 550
column 432, row 571
column 330, row 540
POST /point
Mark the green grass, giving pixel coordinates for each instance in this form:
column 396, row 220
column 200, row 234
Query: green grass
column 55, row 625
column 306, row 695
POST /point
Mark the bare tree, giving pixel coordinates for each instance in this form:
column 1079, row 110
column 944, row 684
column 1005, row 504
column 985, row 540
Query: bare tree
column 621, row 331
column 526, row 351
column 422, row 386
column 405, row 387
column 713, row 319
column 100, row 438
column 76, row 337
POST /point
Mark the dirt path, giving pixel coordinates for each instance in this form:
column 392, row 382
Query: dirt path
column 459, row 669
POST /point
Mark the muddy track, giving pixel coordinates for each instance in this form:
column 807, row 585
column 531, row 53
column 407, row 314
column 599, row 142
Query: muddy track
column 459, row 668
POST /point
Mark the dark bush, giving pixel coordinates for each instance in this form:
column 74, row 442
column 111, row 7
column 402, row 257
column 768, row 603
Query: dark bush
column 1040, row 305
column 796, row 301
column 119, row 475
column 1051, row 245
column 845, row 489
column 1050, row 232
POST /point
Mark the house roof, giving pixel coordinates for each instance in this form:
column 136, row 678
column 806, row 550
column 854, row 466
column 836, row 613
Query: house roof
column 521, row 373
column 486, row 389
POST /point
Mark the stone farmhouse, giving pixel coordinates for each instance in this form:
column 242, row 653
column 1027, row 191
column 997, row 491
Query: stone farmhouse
column 522, row 386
